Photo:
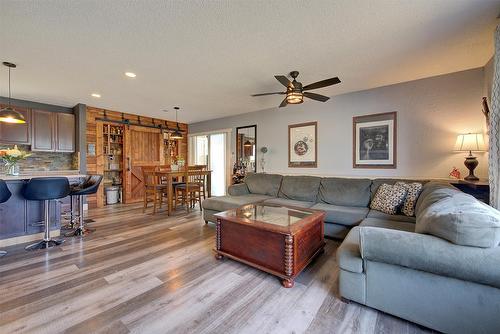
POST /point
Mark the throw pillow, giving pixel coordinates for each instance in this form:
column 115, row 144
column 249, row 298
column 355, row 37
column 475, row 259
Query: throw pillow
column 413, row 191
column 388, row 198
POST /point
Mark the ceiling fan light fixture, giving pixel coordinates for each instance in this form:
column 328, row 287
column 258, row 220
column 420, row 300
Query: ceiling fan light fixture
column 294, row 97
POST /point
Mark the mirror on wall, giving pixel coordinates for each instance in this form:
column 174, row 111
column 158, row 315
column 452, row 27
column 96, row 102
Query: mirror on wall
column 246, row 144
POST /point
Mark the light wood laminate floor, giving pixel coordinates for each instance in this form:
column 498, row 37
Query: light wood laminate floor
column 140, row 273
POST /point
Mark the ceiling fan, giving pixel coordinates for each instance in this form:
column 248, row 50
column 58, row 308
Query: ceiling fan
column 295, row 92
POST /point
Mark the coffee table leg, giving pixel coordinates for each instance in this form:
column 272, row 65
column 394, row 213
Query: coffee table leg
column 218, row 256
column 287, row 282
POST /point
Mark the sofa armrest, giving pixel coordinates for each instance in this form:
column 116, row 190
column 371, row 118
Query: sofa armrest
column 238, row 189
column 431, row 254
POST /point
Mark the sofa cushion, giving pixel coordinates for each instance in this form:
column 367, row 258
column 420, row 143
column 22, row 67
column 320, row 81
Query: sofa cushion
column 385, row 216
column 300, row 188
column 462, row 220
column 389, row 224
column 345, row 191
column 349, row 254
column 238, row 189
column 431, row 254
column 223, row 203
column 345, row 215
column 413, row 190
column 289, row 202
column 389, row 198
column 263, row 184
column 433, row 192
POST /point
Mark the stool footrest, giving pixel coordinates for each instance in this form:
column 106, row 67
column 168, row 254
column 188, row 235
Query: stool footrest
column 80, row 232
column 44, row 244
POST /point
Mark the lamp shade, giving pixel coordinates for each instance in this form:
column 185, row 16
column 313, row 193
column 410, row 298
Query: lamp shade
column 470, row 142
column 9, row 115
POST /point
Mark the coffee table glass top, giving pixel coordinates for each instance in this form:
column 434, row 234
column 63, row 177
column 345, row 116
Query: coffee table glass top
column 275, row 215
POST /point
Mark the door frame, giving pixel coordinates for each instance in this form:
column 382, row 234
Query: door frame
column 229, row 152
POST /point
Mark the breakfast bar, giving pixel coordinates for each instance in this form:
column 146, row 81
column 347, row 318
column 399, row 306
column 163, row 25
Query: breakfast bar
column 20, row 219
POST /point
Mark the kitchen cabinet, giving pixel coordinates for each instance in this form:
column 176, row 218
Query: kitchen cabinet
column 53, row 132
column 65, row 132
column 19, row 134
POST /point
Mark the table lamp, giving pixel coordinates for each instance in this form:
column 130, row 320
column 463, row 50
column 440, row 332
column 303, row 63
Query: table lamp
column 470, row 142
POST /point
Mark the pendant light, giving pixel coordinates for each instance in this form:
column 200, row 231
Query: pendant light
column 9, row 115
column 247, row 143
column 177, row 133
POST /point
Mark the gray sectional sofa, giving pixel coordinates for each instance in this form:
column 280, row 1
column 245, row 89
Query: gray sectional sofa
column 440, row 269
column 345, row 200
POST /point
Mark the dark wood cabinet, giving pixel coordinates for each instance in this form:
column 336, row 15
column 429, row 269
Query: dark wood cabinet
column 16, row 133
column 53, row 132
column 65, row 132
column 43, row 131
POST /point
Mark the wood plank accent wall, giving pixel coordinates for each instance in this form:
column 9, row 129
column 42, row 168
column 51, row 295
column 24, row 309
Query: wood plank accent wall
column 93, row 132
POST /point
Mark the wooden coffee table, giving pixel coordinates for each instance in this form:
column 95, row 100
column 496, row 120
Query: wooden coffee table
column 279, row 240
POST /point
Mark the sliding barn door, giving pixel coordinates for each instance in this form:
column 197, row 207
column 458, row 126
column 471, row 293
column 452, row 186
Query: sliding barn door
column 143, row 147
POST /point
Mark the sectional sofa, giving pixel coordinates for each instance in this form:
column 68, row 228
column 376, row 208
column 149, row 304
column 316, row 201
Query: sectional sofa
column 345, row 200
column 440, row 269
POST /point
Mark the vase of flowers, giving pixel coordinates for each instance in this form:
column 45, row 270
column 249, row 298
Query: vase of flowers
column 11, row 157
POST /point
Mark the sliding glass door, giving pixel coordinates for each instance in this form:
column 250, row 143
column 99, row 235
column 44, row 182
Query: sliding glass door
column 212, row 150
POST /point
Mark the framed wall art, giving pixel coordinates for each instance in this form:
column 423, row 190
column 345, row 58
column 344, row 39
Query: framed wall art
column 303, row 145
column 374, row 140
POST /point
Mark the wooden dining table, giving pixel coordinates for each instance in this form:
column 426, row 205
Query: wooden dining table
column 169, row 175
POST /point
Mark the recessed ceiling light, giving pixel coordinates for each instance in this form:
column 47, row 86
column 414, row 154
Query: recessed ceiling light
column 130, row 74
column 95, row 95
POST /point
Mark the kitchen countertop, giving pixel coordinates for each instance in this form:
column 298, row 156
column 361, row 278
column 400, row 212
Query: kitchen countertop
column 32, row 174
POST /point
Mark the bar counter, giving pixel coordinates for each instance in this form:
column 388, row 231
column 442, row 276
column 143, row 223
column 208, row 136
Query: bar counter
column 19, row 218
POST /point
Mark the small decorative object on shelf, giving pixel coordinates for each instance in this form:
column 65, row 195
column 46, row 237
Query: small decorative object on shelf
column 11, row 157
column 455, row 173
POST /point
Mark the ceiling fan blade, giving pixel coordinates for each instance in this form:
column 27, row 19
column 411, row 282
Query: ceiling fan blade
column 284, row 81
column 316, row 97
column 321, row 84
column 264, row 94
column 283, row 103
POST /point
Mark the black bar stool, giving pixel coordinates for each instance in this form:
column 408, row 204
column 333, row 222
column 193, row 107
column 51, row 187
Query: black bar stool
column 88, row 187
column 46, row 189
column 4, row 197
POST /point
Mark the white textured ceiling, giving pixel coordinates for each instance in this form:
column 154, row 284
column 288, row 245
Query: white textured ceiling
column 209, row 56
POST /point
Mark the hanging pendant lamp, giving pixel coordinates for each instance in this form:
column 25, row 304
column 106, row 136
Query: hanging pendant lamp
column 9, row 115
column 177, row 133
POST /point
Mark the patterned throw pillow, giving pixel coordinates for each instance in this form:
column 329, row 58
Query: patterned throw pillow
column 414, row 189
column 388, row 198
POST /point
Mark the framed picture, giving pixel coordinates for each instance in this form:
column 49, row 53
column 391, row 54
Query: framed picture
column 374, row 140
column 303, row 145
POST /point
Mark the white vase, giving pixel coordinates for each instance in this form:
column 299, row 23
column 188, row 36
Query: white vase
column 12, row 169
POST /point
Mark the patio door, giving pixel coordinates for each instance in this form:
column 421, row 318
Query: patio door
column 212, row 149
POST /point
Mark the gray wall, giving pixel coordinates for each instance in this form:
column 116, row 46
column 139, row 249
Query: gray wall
column 431, row 112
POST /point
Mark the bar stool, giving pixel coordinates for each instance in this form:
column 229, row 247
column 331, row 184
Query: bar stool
column 4, row 197
column 88, row 187
column 46, row 189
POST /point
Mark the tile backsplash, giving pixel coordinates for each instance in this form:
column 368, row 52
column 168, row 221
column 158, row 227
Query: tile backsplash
column 43, row 161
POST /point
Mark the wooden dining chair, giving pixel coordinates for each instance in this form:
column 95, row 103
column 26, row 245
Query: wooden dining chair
column 200, row 178
column 154, row 190
column 188, row 192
